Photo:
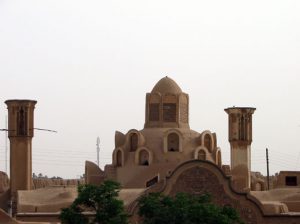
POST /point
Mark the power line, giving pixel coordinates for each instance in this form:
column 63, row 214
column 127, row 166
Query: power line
column 43, row 129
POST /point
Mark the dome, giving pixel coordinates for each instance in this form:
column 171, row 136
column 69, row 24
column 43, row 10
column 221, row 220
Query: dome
column 166, row 85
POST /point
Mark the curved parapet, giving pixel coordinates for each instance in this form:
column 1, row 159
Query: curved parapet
column 93, row 174
column 119, row 139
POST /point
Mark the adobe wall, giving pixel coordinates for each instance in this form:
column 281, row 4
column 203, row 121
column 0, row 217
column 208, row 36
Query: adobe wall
column 280, row 181
column 199, row 177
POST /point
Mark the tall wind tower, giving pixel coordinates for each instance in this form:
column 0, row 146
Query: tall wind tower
column 240, row 138
column 20, row 134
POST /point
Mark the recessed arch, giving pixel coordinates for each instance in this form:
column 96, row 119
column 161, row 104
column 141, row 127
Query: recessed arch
column 207, row 140
column 118, row 157
column 172, row 141
column 143, row 157
column 201, row 153
column 134, row 140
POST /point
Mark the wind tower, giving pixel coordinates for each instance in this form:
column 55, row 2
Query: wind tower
column 240, row 138
column 20, row 133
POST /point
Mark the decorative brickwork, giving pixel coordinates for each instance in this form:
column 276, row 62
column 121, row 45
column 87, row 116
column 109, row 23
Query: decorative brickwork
column 154, row 112
column 183, row 113
column 199, row 181
column 169, row 112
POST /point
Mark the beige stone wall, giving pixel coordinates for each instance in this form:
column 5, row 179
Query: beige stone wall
column 93, row 174
column 128, row 170
column 48, row 182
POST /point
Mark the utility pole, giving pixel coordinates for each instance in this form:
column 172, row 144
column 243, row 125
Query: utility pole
column 98, row 150
column 268, row 175
column 6, row 145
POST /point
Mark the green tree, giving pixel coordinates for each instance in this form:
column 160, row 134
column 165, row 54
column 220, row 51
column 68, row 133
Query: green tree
column 156, row 208
column 101, row 200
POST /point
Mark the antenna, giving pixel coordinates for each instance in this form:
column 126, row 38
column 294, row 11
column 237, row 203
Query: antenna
column 98, row 150
column 268, row 175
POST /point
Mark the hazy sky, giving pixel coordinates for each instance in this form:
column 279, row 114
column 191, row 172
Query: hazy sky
column 89, row 64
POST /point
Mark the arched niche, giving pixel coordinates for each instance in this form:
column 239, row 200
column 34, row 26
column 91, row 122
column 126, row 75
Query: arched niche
column 208, row 140
column 118, row 157
column 258, row 187
column 201, row 153
column 172, row 141
column 143, row 157
column 134, row 140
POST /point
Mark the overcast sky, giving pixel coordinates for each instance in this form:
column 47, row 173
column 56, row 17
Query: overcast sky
column 89, row 64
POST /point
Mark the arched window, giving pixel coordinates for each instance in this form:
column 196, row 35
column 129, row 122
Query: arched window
column 207, row 142
column 173, row 142
column 119, row 158
column 133, row 142
column 144, row 158
column 202, row 155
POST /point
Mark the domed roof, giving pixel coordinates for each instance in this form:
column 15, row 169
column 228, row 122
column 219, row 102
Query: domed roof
column 166, row 85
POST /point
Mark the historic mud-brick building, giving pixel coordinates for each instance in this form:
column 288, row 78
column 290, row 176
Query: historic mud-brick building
column 166, row 156
column 142, row 157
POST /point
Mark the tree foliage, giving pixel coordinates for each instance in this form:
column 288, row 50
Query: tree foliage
column 184, row 209
column 101, row 200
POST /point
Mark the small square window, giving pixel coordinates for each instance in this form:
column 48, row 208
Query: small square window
column 291, row 181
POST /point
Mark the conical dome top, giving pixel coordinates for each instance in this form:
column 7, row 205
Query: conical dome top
column 166, row 85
